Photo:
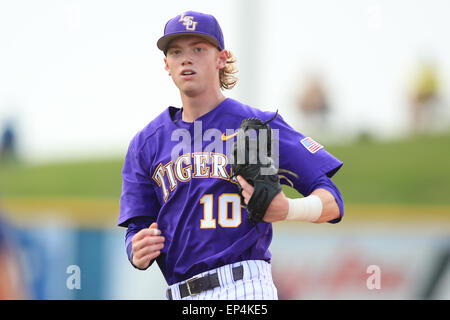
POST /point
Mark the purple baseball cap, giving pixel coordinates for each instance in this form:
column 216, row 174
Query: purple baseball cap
column 195, row 24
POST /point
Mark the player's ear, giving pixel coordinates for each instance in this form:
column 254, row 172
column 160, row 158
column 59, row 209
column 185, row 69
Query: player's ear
column 222, row 59
column 166, row 65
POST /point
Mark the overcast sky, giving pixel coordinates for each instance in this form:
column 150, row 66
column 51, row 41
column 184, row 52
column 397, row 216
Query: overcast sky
column 80, row 78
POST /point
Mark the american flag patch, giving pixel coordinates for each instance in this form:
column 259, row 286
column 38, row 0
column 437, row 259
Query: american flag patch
column 311, row 145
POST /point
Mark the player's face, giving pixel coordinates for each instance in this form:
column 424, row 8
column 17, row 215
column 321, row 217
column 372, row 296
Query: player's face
column 194, row 64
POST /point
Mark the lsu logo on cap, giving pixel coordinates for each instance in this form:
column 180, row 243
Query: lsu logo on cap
column 311, row 145
column 188, row 22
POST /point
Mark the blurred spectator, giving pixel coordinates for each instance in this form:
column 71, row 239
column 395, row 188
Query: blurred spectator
column 314, row 105
column 425, row 100
column 11, row 285
column 8, row 143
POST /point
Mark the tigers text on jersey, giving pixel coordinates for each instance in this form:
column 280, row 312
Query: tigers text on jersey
column 186, row 188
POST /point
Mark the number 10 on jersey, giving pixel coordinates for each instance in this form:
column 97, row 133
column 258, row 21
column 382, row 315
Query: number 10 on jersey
column 225, row 220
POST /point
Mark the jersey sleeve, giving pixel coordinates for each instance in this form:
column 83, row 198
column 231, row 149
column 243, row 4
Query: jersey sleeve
column 326, row 183
column 303, row 156
column 138, row 198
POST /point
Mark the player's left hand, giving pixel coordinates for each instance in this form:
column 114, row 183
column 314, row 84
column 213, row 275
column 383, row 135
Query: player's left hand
column 278, row 208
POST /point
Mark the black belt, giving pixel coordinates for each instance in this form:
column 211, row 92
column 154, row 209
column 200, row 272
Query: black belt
column 196, row 285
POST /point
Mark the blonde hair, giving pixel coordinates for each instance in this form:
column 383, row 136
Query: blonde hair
column 227, row 75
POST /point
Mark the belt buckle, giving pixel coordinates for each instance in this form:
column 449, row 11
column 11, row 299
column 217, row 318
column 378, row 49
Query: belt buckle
column 188, row 284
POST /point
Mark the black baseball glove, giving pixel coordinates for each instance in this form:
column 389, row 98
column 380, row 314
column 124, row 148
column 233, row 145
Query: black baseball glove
column 251, row 158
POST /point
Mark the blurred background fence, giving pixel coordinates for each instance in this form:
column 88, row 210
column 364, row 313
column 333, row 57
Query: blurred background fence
column 367, row 79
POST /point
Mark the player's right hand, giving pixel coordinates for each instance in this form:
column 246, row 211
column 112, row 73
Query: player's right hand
column 147, row 245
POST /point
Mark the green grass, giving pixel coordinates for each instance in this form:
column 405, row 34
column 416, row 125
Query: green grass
column 412, row 171
column 80, row 179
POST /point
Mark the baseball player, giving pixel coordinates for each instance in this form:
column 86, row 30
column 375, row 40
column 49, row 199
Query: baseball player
column 180, row 201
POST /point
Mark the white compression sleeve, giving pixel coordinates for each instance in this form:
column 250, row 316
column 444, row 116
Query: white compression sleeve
column 305, row 209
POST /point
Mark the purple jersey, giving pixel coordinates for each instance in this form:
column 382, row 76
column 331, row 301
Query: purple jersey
column 190, row 195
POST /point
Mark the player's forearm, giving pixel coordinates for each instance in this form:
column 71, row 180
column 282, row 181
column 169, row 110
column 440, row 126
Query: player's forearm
column 330, row 208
